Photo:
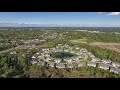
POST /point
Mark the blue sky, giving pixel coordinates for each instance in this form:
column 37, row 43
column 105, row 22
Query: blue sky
column 60, row 18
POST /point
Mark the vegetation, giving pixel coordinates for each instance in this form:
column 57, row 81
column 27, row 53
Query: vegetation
column 18, row 65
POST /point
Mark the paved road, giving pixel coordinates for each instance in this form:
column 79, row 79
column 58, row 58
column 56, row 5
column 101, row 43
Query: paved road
column 4, row 51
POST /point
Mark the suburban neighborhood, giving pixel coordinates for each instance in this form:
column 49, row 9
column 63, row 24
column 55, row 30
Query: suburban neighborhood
column 44, row 57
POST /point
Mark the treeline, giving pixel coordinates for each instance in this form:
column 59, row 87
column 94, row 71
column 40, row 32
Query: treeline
column 102, row 53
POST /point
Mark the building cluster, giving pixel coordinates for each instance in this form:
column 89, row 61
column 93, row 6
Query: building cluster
column 82, row 58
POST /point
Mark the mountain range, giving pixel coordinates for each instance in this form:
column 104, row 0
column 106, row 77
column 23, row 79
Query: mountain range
column 54, row 25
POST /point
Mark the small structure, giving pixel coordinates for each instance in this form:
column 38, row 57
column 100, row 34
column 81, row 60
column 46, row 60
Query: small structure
column 76, row 58
column 66, row 50
column 50, row 64
column 95, row 59
column 115, row 70
column 80, row 64
column 57, row 60
column 115, row 64
column 33, row 62
column 60, row 65
column 77, row 48
column 93, row 64
column 106, row 61
column 103, row 66
column 70, row 65
column 42, row 63
column 13, row 52
column 69, row 60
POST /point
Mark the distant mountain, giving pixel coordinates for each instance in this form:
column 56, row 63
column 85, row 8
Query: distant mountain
column 54, row 25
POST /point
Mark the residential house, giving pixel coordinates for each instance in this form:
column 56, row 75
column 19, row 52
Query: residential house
column 79, row 64
column 57, row 60
column 50, row 64
column 70, row 65
column 106, row 61
column 115, row 64
column 60, row 65
column 66, row 50
column 115, row 70
column 93, row 64
column 69, row 60
column 103, row 66
column 95, row 59
column 33, row 62
column 76, row 58
column 13, row 52
column 77, row 48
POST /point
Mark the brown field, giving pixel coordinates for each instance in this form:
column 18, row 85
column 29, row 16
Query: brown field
column 111, row 46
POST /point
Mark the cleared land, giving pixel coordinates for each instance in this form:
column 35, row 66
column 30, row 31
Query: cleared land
column 76, row 41
column 111, row 46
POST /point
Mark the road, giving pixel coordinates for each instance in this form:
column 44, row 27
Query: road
column 4, row 51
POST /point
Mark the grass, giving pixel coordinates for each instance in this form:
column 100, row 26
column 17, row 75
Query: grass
column 77, row 41
column 110, row 46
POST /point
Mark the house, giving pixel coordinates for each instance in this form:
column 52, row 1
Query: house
column 50, row 64
column 35, row 56
column 115, row 70
column 115, row 64
column 72, row 52
column 95, row 59
column 76, row 58
column 93, row 64
column 70, row 65
column 33, row 62
column 69, row 60
column 13, row 52
column 92, row 56
column 103, row 66
column 60, row 65
column 84, row 50
column 57, row 60
column 42, row 63
column 37, row 53
column 77, row 48
column 106, row 61
column 79, row 64
column 66, row 50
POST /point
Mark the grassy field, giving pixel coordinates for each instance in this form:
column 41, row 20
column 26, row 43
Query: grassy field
column 111, row 46
column 77, row 41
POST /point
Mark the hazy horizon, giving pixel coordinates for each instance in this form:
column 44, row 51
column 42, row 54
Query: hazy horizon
column 75, row 19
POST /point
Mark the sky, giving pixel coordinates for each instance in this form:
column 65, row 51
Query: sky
column 81, row 18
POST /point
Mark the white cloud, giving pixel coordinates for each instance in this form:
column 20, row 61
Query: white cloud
column 110, row 13
column 101, row 12
column 114, row 13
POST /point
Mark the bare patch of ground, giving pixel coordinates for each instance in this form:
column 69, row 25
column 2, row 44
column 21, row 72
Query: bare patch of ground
column 111, row 46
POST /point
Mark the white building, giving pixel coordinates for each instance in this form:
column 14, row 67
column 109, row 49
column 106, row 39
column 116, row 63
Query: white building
column 93, row 64
column 115, row 64
column 69, row 60
column 115, row 70
column 69, row 65
column 103, row 66
column 80, row 64
column 50, row 64
column 60, row 65
column 95, row 59
column 106, row 61
column 57, row 60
